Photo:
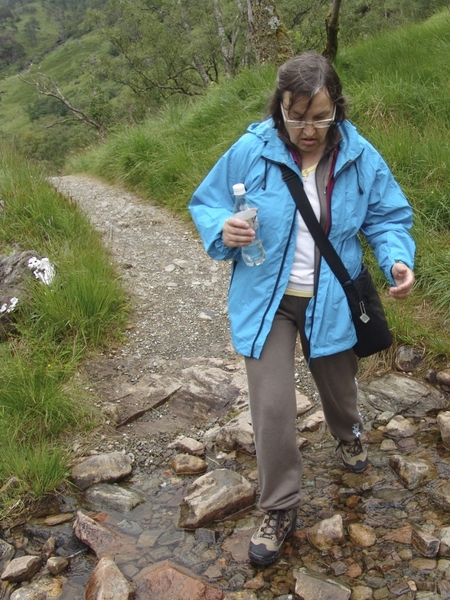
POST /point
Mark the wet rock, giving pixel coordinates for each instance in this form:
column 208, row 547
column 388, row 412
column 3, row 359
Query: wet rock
column 443, row 420
column 360, row 481
column 444, row 546
column 402, row 535
column 402, row 395
column 104, row 496
column 107, row 583
column 362, row 592
column 58, row 519
column 441, row 496
column 213, row 497
column 444, row 589
column 310, row 587
column 185, row 464
column 101, row 468
column 399, row 427
column 408, row 358
column 189, row 446
column 388, row 445
column 412, row 473
column 48, row 549
column 426, row 544
column 6, row 553
column 313, row 422
column 237, row 545
column 327, row 533
column 112, row 412
column 22, row 569
column 66, row 541
column 129, row 527
column 28, row 593
column 57, row 564
column 237, row 434
column 166, row 580
column 383, row 418
column 361, row 535
column 149, row 537
column 244, row 595
column 44, row 589
column 100, row 538
column 303, row 403
column 206, row 535
column 423, row 565
column 443, row 377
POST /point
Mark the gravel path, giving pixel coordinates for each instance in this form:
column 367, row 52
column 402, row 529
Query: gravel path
column 178, row 292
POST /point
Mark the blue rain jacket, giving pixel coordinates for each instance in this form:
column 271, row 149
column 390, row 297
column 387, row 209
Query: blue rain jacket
column 365, row 198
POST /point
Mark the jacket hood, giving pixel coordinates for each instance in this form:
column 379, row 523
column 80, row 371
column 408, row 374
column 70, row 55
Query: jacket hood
column 345, row 134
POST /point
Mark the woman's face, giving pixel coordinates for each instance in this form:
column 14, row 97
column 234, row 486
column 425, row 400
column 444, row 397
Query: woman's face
column 309, row 140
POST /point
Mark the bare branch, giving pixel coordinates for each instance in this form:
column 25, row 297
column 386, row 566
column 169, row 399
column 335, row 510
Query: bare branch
column 47, row 86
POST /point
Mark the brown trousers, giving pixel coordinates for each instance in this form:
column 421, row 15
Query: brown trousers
column 271, row 384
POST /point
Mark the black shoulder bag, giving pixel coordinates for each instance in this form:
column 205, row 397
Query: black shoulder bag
column 367, row 311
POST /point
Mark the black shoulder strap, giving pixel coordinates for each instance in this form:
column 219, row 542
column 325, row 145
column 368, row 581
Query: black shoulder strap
column 327, row 250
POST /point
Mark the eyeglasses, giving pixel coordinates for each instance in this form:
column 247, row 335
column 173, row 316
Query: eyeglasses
column 322, row 124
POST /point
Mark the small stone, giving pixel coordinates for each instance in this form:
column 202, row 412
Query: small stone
column 426, row 544
column 361, row 592
column 57, row 564
column 424, row 565
column 22, row 569
column 412, row 473
column 361, row 535
column 186, row 464
column 443, row 420
column 326, row 533
column 388, row 445
column 399, row 427
column 313, row 422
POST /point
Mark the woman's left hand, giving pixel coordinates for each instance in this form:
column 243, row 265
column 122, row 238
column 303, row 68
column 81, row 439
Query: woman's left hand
column 404, row 279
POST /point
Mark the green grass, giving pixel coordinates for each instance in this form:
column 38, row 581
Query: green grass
column 398, row 86
column 57, row 325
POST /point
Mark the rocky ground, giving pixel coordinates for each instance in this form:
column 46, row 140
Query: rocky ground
column 177, row 374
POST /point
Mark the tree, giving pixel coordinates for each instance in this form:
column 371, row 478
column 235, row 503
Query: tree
column 332, row 29
column 269, row 37
column 47, row 86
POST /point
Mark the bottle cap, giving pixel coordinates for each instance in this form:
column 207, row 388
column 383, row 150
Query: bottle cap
column 239, row 189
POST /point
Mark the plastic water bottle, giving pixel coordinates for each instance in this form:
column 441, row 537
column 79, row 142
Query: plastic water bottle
column 254, row 254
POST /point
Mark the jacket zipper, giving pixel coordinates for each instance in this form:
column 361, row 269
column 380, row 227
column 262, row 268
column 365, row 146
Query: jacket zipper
column 279, row 275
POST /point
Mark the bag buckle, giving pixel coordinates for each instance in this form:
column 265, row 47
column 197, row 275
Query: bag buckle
column 363, row 316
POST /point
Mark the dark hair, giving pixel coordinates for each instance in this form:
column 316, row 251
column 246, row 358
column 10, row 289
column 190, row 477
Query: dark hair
column 304, row 76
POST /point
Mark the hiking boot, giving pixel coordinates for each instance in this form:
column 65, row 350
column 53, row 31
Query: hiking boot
column 267, row 541
column 354, row 455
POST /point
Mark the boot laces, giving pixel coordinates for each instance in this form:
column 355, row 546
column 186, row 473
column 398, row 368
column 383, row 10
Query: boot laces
column 352, row 448
column 272, row 524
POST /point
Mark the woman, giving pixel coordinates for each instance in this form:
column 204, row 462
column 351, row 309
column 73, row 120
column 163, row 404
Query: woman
column 294, row 292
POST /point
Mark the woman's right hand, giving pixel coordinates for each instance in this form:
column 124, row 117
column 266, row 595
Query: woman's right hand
column 237, row 233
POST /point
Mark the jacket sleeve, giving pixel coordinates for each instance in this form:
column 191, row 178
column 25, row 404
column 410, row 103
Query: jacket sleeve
column 213, row 202
column 389, row 219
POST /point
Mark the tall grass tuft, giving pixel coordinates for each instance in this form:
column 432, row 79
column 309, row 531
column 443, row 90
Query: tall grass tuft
column 56, row 326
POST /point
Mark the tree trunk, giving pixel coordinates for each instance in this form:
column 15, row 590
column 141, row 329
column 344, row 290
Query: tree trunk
column 268, row 34
column 197, row 62
column 332, row 29
column 227, row 48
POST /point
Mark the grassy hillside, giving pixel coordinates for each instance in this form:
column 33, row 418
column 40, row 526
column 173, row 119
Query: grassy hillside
column 396, row 84
column 66, row 65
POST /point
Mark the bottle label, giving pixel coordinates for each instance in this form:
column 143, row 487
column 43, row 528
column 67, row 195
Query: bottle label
column 248, row 215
